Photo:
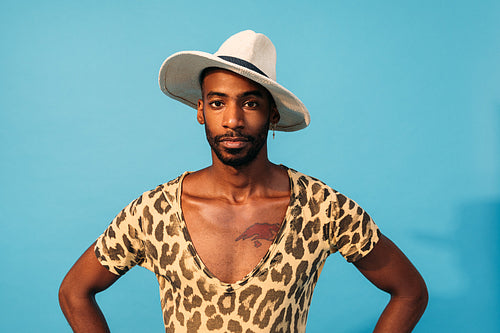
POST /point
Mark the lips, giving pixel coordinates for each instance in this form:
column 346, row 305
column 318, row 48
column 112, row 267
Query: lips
column 233, row 142
column 233, row 138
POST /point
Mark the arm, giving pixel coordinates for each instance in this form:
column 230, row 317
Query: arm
column 77, row 293
column 389, row 269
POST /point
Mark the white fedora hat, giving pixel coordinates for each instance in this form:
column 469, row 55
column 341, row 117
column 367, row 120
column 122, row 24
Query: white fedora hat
column 246, row 53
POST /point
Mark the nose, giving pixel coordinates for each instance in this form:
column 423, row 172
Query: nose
column 233, row 116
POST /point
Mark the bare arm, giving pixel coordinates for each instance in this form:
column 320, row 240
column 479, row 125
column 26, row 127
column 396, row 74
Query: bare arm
column 77, row 293
column 389, row 269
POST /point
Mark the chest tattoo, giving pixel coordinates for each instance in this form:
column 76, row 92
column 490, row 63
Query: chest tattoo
column 260, row 231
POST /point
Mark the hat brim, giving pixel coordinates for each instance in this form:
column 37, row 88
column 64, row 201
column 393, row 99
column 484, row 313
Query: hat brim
column 179, row 75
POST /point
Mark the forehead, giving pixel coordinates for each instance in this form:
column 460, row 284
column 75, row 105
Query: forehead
column 222, row 80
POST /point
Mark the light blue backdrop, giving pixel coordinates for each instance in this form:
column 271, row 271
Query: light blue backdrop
column 405, row 104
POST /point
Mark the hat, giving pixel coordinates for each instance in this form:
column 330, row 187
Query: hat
column 246, row 53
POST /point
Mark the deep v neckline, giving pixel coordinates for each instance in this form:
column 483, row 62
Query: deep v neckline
column 257, row 269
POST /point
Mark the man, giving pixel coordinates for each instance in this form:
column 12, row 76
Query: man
column 239, row 246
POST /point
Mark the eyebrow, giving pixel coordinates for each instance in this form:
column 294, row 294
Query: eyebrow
column 214, row 93
column 256, row 93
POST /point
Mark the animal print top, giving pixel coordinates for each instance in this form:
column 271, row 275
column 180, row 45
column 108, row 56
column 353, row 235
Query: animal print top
column 275, row 296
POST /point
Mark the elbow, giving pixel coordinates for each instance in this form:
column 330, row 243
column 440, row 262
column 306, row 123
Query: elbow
column 71, row 295
column 64, row 296
column 417, row 298
column 423, row 298
column 421, row 295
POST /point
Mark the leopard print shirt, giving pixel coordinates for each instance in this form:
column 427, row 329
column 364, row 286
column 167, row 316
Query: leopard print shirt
column 275, row 296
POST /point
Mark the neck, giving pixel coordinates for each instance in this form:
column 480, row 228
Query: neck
column 238, row 184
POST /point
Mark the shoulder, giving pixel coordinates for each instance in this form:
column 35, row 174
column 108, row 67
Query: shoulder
column 157, row 198
column 311, row 186
column 311, row 194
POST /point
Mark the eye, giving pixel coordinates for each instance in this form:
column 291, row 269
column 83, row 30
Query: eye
column 251, row 104
column 216, row 104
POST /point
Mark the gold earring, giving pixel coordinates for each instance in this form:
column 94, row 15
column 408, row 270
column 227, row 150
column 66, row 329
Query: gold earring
column 273, row 127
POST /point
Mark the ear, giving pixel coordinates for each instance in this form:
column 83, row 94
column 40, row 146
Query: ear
column 275, row 115
column 200, row 116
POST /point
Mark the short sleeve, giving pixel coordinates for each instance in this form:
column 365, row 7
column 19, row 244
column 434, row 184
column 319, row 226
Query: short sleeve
column 353, row 234
column 120, row 247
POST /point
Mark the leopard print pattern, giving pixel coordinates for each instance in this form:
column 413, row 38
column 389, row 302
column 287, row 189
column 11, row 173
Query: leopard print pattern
column 275, row 296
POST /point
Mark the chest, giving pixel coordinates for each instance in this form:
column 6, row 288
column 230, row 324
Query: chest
column 232, row 239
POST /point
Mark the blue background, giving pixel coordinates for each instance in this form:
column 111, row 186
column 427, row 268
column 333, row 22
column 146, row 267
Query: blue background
column 405, row 105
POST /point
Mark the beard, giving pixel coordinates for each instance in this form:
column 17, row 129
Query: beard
column 237, row 157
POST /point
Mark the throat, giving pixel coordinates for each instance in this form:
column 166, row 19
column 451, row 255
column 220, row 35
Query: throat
column 245, row 185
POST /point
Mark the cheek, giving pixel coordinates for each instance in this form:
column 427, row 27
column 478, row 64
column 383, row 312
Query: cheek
column 258, row 120
column 210, row 119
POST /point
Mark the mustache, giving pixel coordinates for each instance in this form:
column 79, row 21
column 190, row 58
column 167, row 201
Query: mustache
column 233, row 134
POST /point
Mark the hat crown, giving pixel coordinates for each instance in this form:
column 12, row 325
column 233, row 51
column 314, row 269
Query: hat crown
column 252, row 47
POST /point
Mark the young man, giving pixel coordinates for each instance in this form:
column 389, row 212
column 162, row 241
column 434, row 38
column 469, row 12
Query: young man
column 239, row 246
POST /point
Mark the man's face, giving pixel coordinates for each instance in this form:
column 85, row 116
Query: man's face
column 236, row 112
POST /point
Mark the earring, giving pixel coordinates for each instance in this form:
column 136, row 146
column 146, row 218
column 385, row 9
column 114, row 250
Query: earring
column 273, row 127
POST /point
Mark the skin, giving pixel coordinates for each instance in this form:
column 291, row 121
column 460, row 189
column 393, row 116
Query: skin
column 256, row 192
column 86, row 278
column 235, row 206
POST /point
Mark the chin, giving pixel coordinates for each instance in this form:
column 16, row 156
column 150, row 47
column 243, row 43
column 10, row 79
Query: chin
column 235, row 160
